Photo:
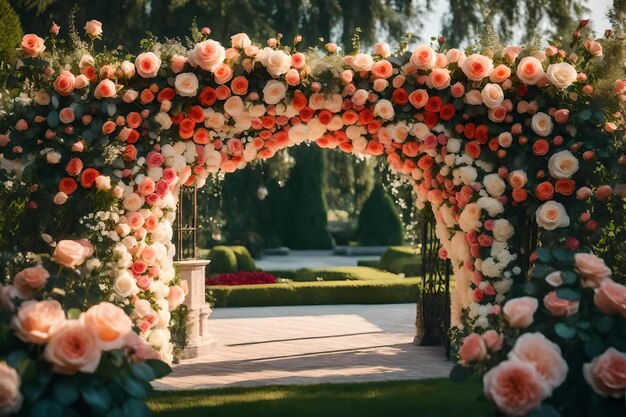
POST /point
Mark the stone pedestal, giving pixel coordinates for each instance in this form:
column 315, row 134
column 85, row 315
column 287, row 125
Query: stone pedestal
column 199, row 340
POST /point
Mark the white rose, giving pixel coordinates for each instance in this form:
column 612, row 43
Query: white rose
column 491, row 269
column 563, row 165
column 494, row 185
column 552, row 215
column 492, row 95
column 362, row 62
column 257, row 110
column 420, row 131
column 186, row 84
column 561, row 75
column 142, row 307
column 274, row 91
column 240, row 41
column 474, row 98
column 502, row 230
column 384, row 110
column 125, row 285
column 128, row 68
column 164, row 120
column 53, row 157
column 542, row 124
column 276, row 62
column 159, row 338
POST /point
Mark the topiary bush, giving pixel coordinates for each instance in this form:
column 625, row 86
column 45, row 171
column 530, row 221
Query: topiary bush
column 245, row 262
column 10, row 32
column 343, row 273
column 395, row 256
column 379, row 223
column 223, row 260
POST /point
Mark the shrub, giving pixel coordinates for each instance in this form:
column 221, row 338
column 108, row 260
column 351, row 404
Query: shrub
column 10, row 31
column 242, row 278
column 395, row 257
column 318, row 293
column 372, row 263
column 343, row 273
column 379, row 223
column 283, row 273
column 223, row 260
column 244, row 259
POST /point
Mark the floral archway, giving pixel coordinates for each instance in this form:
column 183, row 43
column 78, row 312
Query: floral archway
column 512, row 148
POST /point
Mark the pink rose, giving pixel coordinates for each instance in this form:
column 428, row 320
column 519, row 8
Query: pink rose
column 10, row 396
column 93, row 28
column 36, row 321
column 32, row 45
column 30, row 279
column 511, row 52
column 383, row 49
column 177, row 63
column 606, row 374
column 110, row 323
column 519, row 312
column 73, row 348
column 473, row 349
column 493, row 340
column 423, row 57
column 147, row 64
column 592, row 269
column 476, row 67
column 560, row 307
column 70, row 253
column 530, row 71
column 105, row 89
column 175, row 297
column 515, row 387
column 103, row 182
column 610, row 298
column 543, row 355
column 207, row 55
column 594, row 48
column 64, row 84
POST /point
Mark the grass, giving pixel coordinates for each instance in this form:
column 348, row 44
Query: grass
column 426, row 398
column 344, row 273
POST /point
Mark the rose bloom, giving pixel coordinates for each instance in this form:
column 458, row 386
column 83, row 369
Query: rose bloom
column 382, row 69
column 561, row 75
column 274, row 91
column 147, row 64
column 276, row 62
column 105, row 89
column 500, row 74
column 476, row 67
column 29, row 279
column 175, row 297
column 518, row 178
column 10, row 396
column 592, row 269
column 423, row 57
column 455, row 55
column 493, row 340
column 473, row 349
column 384, row 110
column 439, row 78
column 594, row 48
column 111, row 324
column 222, row 74
column 73, row 348
column 543, row 355
column 559, row 307
column 32, row 45
column 186, row 84
column 64, row 84
column 70, row 253
column 519, row 312
column 93, row 28
column 606, row 374
column 103, row 182
column 552, row 215
column 36, row 321
column 542, row 124
column 240, row 41
column 515, row 387
column 563, row 165
column 610, row 298
column 492, row 95
column 529, row 70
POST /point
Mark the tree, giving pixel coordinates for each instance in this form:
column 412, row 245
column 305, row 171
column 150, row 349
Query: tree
column 379, row 223
column 10, row 31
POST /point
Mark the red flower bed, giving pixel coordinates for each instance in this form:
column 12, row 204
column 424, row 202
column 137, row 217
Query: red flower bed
column 241, row 278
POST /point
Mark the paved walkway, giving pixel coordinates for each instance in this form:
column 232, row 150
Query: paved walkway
column 308, row 345
column 308, row 259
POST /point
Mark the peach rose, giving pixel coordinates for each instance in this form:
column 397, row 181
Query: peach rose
column 110, row 323
column 519, row 312
column 103, row 182
column 543, row 355
column 473, row 349
column 29, row 279
column 175, row 297
column 362, row 62
column 606, row 374
column 186, row 84
column 476, row 67
column 515, row 387
column 552, row 215
column 592, row 269
column 493, row 340
column 292, row 77
column 147, row 64
column 518, row 178
column 93, row 28
column 492, row 95
column 240, row 41
column 10, row 396
column 423, row 57
column 133, row 202
column 276, row 62
column 32, row 45
column 66, row 115
column 593, row 47
column 439, row 78
column 177, row 63
column 455, row 55
column 274, row 91
column 384, row 110
column 64, row 84
column 382, row 69
column 563, row 165
column 529, row 70
column 560, row 307
column 36, row 321
column 561, row 75
column 73, row 348
column 70, row 253
column 554, row 279
column 105, row 89
column 511, row 52
column 60, row 198
column 500, row 74
column 610, row 298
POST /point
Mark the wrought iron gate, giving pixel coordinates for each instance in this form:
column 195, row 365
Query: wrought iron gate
column 185, row 227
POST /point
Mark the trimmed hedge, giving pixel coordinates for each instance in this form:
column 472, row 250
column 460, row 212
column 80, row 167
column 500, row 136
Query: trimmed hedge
column 223, row 260
column 379, row 223
column 402, row 260
column 343, row 273
column 283, row 273
column 10, row 32
column 244, row 259
column 372, row 263
column 318, row 293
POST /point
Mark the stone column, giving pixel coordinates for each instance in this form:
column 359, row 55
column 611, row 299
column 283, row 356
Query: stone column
column 193, row 274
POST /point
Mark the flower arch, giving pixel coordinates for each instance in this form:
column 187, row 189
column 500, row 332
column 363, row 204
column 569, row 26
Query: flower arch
column 510, row 147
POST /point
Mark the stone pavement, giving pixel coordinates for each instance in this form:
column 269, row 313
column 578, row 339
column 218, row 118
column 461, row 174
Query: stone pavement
column 308, row 259
column 308, row 345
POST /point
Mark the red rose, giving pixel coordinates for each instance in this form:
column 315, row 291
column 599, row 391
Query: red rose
column 565, row 186
column 186, row 128
column 207, row 96
column 168, row 93
column 481, row 134
column 196, row 113
column 473, row 149
column 433, row 104
column 541, row 147
column 430, row 119
column 67, row 185
column 130, row 153
column 88, row 177
column 469, row 131
column 400, row 97
column 447, row 111
column 519, row 195
column 544, row 191
column 74, row 166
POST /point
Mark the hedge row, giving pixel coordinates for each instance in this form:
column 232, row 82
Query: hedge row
column 343, row 273
column 403, row 290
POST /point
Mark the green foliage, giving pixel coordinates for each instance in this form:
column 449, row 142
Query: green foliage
column 343, row 273
column 372, row 263
column 10, row 31
column 397, row 255
column 223, row 260
column 318, row 293
column 244, row 259
column 379, row 222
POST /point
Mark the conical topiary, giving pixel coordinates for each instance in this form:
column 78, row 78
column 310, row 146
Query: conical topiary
column 10, row 32
column 379, row 223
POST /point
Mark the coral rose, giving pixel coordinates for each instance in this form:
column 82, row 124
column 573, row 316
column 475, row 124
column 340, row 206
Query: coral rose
column 543, row 355
column 606, row 374
column 32, row 45
column 529, row 70
column 36, row 321
column 147, row 64
column 10, row 396
column 73, row 348
column 476, row 67
column 610, row 298
column 423, row 57
column 105, row 89
column 70, row 253
column 111, row 324
column 519, row 312
column 64, row 84
column 560, row 307
column 29, row 279
column 473, row 349
column 592, row 269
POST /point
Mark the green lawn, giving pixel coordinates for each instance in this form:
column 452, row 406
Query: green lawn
column 429, row 398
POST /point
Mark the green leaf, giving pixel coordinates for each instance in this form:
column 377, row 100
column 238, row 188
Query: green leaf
column 540, row 271
column 530, row 288
column 135, row 408
column 135, row 388
column 46, row 408
column 604, row 324
column 73, row 313
column 543, row 255
column 564, row 331
column 585, row 115
column 460, row 373
column 569, row 277
column 65, row 391
column 594, row 348
column 568, row 293
column 563, row 255
column 160, row 368
column 143, row 372
column 96, row 397
column 116, row 412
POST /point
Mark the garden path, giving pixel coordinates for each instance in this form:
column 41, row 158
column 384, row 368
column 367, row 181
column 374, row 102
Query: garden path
column 308, row 345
